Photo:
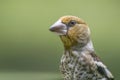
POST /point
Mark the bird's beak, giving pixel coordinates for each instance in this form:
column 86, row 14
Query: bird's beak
column 59, row 28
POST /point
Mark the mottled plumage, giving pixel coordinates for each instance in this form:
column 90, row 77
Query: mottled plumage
column 79, row 61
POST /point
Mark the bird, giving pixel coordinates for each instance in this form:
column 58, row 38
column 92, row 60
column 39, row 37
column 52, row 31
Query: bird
column 79, row 60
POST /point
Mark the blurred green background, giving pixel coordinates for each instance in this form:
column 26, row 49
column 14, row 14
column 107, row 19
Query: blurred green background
column 29, row 51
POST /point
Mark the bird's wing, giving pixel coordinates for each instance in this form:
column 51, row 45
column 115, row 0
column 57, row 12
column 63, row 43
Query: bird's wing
column 101, row 68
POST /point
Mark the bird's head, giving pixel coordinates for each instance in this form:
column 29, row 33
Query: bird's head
column 72, row 31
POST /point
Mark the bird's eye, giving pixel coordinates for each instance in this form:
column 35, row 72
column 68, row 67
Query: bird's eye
column 71, row 23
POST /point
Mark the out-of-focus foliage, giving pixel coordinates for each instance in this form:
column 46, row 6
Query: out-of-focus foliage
column 27, row 45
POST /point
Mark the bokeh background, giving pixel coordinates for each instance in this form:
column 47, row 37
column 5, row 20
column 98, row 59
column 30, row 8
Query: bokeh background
column 29, row 51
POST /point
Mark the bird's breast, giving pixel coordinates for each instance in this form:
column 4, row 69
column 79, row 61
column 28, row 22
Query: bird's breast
column 74, row 66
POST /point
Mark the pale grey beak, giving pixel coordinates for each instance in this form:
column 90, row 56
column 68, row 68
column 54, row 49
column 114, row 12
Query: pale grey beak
column 59, row 28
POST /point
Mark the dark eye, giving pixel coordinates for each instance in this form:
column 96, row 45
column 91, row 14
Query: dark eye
column 71, row 23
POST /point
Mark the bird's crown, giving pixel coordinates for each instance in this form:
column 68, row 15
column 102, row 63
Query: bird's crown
column 67, row 19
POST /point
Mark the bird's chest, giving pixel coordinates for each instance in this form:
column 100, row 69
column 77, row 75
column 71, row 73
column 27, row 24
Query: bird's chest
column 75, row 67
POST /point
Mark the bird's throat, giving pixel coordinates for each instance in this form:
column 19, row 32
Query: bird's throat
column 67, row 41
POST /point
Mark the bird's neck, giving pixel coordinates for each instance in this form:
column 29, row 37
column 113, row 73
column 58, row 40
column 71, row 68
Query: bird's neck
column 70, row 44
column 88, row 47
column 81, row 48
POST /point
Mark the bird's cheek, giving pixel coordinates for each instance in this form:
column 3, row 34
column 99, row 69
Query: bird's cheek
column 72, row 31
